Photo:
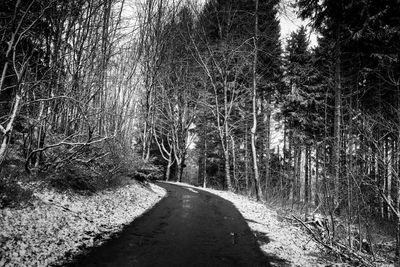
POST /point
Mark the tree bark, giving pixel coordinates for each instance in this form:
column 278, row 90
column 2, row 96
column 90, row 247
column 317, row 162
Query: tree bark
column 306, row 175
column 257, row 184
column 8, row 130
column 337, row 119
column 316, row 193
column 246, row 156
column 267, row 145
column 169, row 165
column 234, row 161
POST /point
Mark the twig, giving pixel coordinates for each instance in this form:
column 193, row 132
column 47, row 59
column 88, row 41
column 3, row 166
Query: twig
column 333, row 248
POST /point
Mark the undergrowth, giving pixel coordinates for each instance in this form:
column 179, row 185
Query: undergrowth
column 12, row 194
column 81, row 169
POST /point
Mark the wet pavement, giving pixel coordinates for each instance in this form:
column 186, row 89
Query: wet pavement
column 189, row 227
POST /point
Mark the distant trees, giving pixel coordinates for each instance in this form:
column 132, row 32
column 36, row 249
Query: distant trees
column 227, row 52
column 207, row 75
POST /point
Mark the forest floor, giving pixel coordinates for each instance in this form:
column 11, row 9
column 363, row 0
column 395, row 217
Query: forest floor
column 275, row 237
column 56, row 226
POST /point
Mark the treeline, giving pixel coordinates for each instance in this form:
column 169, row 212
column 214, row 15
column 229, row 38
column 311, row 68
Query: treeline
column 70, row 89
column 212, row 81
column 341, row 112
column 219, row 77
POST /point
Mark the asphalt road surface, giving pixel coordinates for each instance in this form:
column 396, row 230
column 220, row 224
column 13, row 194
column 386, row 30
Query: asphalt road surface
column 189, row 227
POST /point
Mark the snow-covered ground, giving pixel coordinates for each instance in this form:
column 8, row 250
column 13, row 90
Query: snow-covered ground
column 58, row 225
column 288, row 244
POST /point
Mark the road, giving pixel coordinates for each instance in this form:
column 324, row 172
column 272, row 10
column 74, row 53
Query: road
column 189, row 227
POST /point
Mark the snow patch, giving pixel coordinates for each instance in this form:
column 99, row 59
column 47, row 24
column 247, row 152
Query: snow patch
column 286, row 244
column 58, row 225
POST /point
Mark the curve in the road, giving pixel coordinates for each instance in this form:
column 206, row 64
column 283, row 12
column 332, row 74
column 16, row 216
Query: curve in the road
column 189, row 227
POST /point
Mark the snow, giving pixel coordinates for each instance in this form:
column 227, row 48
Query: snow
column 58, row 225
column 276, row 238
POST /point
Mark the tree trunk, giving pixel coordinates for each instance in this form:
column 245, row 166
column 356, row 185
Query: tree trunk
column 246, row 156
column 205, row 163
column 38, row 134
column 398, row 178
column 267, row 144
column 337, row 120
column 306, row 175
column 290, row 169
column 316, row 193
column 201, row 162
column 234, row 161
column 227, row 169
column 298, row 174
column 169, row 165
column 8, row 130
column 181, row 168
column 284, row 169
column 256, row 174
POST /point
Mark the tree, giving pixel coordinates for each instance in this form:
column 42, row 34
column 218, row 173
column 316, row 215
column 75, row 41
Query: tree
column 58, row 87
column 226, row 52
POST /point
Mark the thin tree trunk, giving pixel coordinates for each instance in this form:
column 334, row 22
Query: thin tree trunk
column 306, row 175
column 205, row 164
column 284, row 169
column 290, row 169
column 257, row 184
column 398, row 178
column 227, row 169
column 295, row 168
column 337, row 119
column 298, row 175
column 246, row 156
column 234, row 161
column 267, row 144
column 316, row 193
column 38, row 133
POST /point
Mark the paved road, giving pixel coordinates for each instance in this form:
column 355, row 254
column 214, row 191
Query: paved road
column 187, row 228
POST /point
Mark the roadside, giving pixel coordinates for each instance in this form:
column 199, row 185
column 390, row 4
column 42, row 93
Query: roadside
column 190, row 228
column 276, row 238
column 56, row 226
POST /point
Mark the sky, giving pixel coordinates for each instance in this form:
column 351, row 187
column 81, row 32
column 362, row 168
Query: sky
column 287, row 16
column 289, row 23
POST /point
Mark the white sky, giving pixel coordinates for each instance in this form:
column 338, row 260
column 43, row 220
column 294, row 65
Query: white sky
column 287, row 16
column 289, row 22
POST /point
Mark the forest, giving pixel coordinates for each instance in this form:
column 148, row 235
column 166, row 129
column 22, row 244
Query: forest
column 209, row 93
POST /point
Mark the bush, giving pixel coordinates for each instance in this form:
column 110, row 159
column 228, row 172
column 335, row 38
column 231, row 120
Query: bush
column 73, row 177
column 100, row 167
column 12, row 195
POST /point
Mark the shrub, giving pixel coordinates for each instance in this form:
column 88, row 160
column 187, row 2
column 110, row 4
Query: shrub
column 96, row 167
column 12, row 195
column 73, row 177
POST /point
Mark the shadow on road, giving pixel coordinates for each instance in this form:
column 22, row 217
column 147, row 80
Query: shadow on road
column 187, row 228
